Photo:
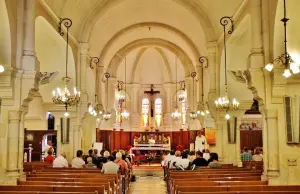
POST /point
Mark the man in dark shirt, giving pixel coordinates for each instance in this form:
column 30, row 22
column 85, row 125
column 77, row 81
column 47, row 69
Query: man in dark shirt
column 200, row 161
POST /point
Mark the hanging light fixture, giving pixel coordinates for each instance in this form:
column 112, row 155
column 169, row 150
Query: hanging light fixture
column 181, row 95
column 193, row 113
column 121, row 94
column 125, row 113
column 64, row 96
column 202, row 106
column 224, row 103
column 176, row 115
column 95, row 108
column 107, row 114
column 285, row 59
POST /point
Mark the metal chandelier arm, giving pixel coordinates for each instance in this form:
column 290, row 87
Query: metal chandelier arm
column 204, row 64
column 94, row 61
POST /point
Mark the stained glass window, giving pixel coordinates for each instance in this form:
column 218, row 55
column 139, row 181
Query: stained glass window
column 158, row 111
column 145, row 111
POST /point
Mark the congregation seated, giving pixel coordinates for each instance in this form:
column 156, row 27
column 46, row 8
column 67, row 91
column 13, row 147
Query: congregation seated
column 257, row 156
column 192, row 156
column 78, row 162
column 49, row 159
column 246, row 156
column 60, row 161
column 90, row 163
column 110, row 167
column 169, row 157
column 184, row 161
column 206, row 154
column 200, row 161
column 215, row 161
column 120, row 162
column 175, row 159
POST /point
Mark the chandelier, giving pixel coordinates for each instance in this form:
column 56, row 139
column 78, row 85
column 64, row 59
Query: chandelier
column 107, row 114
column 95, row 108
column 193, row 113
column 64, row 96
column 176, row 115
column 181, row 95
column 202, row 109
column 125, row 113
column 285, row 59
column 224, row 103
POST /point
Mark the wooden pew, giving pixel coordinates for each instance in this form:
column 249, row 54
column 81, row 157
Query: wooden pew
column 245, row 192
column 237, row 188
column 44, row 192
column 99, row 189
column 213, row 183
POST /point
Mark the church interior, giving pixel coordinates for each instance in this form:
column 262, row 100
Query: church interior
column 150, row 77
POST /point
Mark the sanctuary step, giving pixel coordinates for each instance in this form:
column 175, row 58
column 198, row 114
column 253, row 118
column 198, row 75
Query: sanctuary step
column 146, row 170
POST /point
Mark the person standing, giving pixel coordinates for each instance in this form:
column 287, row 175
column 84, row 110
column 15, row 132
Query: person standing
column 48, row 146
column 200, row 143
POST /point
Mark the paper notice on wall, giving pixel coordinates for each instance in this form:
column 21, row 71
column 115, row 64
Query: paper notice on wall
column 98, row 146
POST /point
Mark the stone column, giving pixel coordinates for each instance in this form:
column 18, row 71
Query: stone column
column 200, row 83
column 135, row 114
column 76, row 138
column 189, row 92
column 272, row 143
column 169, row 103
column 99, row 85
column 82, row 74
column 13, row 142
column 238, row 143
column 29, row 28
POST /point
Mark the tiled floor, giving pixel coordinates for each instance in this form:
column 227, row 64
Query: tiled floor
column 148, row 185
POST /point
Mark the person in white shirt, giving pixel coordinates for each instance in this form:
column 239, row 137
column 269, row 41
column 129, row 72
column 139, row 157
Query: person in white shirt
column 48, row 146
column 200, row 143
column 176, row 159
column 169, row 158
column 110, row 167
column 206, row 155
column 78, row 162
column 257, row 156
column 184, row 162
column 60, row 161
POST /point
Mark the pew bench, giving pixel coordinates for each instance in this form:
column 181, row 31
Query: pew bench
column 47, row 188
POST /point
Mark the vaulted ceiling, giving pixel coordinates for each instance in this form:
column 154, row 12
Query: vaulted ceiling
column 111, row 25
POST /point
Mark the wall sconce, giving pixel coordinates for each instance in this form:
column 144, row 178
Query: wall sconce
column 94, row 61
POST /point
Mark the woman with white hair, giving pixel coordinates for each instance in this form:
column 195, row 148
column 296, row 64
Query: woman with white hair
column 121, row 162
column 60, row 161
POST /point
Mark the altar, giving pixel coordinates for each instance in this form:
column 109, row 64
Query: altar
column 152, row 141
column 150, row 146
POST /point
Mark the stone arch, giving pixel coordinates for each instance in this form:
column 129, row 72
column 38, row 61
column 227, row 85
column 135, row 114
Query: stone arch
column 103, row 8
column 181, row 54
column 166, row 68
column 133, row 27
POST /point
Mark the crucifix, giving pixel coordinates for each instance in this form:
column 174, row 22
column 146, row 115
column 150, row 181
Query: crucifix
column 151, row 93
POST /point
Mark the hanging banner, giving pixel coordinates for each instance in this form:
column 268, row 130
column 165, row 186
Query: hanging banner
column 211, row 136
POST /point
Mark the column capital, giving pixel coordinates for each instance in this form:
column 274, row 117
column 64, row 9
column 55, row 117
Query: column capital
column 84, row 48
column 14, row 116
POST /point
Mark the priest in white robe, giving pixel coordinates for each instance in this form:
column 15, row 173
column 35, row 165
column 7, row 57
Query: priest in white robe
column 200, row 143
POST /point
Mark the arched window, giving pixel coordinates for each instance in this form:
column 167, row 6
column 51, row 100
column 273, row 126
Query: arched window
column 158, row 112
column 145, row 111
column 182, row 106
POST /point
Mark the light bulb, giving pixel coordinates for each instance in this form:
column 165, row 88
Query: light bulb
column 207, row 112
column 227, row 116
column 287, row 73
column 269, row 67
column 198, row 112
column 295, row 70
column 202, row 113
column 100, row 112
column 90, row 109
column 66, row 114
column 2, row 69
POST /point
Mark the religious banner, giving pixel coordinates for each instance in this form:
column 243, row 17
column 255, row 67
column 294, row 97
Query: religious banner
column 211, row 136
